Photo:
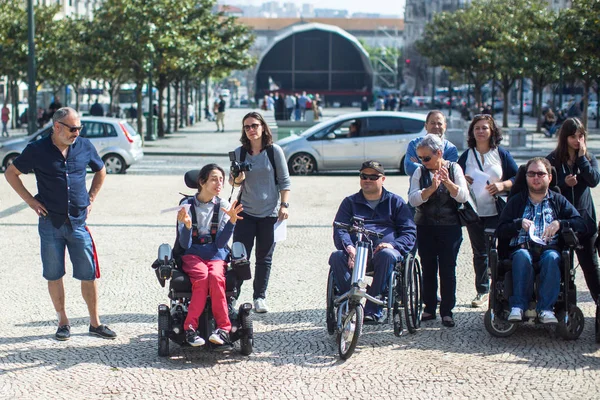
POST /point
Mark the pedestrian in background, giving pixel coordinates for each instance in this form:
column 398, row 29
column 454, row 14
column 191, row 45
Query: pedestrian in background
column 220, row 113
column 190, row 113
column 264, row 195
column 5, row 119
column 63, row 204
column 484, row 155
column 96, row 109
column 364, row 104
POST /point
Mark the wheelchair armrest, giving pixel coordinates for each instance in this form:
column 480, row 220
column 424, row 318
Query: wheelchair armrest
column 163, row 266
column 569, row 237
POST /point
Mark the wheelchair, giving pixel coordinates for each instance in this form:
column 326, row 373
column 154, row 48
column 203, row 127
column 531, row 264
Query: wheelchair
column 171, row 316
column 570, row 317
column 344, row 311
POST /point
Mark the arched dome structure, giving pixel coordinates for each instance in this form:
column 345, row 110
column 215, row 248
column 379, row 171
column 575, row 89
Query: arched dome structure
column 316, row 58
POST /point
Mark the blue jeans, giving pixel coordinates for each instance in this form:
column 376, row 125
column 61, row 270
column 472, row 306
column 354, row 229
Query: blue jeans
column 524, row 277
column 383, row 265
column 53, row 243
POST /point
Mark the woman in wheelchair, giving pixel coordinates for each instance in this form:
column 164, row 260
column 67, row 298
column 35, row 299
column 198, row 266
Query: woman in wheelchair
column 205, row 251
column 530, row 224
column 577, row 172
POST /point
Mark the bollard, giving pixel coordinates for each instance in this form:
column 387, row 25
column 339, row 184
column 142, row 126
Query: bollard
column 517, row 137
column 457, row 137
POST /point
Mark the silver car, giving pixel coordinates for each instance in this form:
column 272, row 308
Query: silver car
column 115, row 140
column 344, row 142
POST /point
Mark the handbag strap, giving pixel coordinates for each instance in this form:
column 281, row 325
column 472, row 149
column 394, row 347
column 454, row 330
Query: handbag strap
column 479, row 163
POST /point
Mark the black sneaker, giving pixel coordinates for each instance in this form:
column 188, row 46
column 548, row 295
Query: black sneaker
column 103, row 331
column 193, row 339
column 219, row 336
column 63, row 333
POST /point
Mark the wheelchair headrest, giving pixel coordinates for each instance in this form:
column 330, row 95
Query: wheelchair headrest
column 521, row 181
column 191, row 178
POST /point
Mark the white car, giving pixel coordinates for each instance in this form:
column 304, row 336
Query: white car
column 345, row 142
column 592, row 110
column 116, row 141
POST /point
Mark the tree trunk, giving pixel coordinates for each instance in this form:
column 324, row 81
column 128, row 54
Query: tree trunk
column 138, row 97
column 539, row 111
column 162, row 82
column 76, row 90
column 176, row 117
column 505, row 84
column 586, row 92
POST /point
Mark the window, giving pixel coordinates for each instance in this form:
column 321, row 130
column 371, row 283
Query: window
column 342, row 130
column 92, row 130
column 110, row 130
column 381, row 126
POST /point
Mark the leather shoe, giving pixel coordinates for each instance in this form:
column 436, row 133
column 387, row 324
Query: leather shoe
column 427, row 317
column 448, row 321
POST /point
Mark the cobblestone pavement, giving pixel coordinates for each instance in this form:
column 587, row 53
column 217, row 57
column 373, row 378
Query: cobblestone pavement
column 294, row 356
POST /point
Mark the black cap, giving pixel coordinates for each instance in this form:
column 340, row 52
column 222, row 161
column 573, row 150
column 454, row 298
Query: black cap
column 376, row 165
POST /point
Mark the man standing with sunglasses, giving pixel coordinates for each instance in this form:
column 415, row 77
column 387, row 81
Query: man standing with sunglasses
column 383, row 212
column 62, row 204
column 530, row 222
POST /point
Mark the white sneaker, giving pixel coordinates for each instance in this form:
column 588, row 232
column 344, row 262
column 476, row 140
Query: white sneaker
column 516, row 315
column 547, row 317
column 260, row 305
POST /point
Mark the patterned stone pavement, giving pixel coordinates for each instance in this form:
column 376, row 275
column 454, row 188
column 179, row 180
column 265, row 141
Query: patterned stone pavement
column 294, row 356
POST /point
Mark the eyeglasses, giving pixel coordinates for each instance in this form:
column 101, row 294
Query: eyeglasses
column 251, row 127
column 72, row 129
column 425, row 159
column 369, row 177
column 539, row 174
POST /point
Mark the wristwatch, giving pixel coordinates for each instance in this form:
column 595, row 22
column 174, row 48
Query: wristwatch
column 286, row 205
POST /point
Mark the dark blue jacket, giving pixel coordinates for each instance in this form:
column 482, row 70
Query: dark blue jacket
column 391, row 216
column 512, row 215
column 509, row 166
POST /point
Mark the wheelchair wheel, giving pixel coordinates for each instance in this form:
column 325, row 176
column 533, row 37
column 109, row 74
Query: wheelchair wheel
column 164, row 326
column 347, row 338
column 394, row 296
column 330, row 311
column 498, row 327
column 412, row 299
column 246, row 339
column 574, row 327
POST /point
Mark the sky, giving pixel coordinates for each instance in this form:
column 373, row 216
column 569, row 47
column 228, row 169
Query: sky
column 393, row 7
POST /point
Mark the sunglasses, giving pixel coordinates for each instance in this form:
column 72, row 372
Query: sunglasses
column 425, row 159
column 251, row 127
column 370, row 177
column 539, row 174
column 72, row 129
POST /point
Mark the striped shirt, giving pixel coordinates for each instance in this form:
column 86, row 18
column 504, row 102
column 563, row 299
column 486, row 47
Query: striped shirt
column 542, row 215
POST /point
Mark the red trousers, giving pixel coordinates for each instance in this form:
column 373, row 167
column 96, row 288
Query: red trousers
column 207, row 277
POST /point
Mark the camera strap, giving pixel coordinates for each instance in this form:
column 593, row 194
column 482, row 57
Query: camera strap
column 270, row 155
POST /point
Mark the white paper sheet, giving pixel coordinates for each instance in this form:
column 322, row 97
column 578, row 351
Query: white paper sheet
column 480, row 180
column 533, row 236
column 280, row 233
column 185, row 206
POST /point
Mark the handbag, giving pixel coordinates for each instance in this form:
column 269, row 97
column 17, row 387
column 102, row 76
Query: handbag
column 467, row 211
column 498, row 200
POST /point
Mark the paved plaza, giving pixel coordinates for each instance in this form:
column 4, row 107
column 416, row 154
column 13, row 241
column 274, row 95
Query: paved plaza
column 294, row 357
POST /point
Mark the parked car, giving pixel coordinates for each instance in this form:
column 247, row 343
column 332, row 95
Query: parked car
column 527, row 108
column 592, row 110
column 116, row 141
column 344, row 142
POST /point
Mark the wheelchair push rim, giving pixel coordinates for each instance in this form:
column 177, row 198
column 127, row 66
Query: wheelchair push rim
column 413, row 301
column 330, row 310
column 350, row 331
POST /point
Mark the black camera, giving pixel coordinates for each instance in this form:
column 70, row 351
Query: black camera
column 238, row 167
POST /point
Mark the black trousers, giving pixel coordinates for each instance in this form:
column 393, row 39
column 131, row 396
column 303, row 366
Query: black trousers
column 588, row 260
column 480, row 251
column 261, row 229
column 438, row 250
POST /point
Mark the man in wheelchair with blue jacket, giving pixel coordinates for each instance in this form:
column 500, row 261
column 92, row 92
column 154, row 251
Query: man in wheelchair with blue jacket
column 531, row 222
column 383, row 212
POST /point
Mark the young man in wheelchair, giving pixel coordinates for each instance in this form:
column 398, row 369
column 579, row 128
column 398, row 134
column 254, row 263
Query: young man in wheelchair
column 383, row 212
column 530, row 223
column 203, row 233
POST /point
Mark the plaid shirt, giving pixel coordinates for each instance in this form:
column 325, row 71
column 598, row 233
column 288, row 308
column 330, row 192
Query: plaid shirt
column 542, row 215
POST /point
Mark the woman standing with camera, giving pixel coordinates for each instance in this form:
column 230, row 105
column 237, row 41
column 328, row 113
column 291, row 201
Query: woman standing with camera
column 577, row 172
column 264, row 194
